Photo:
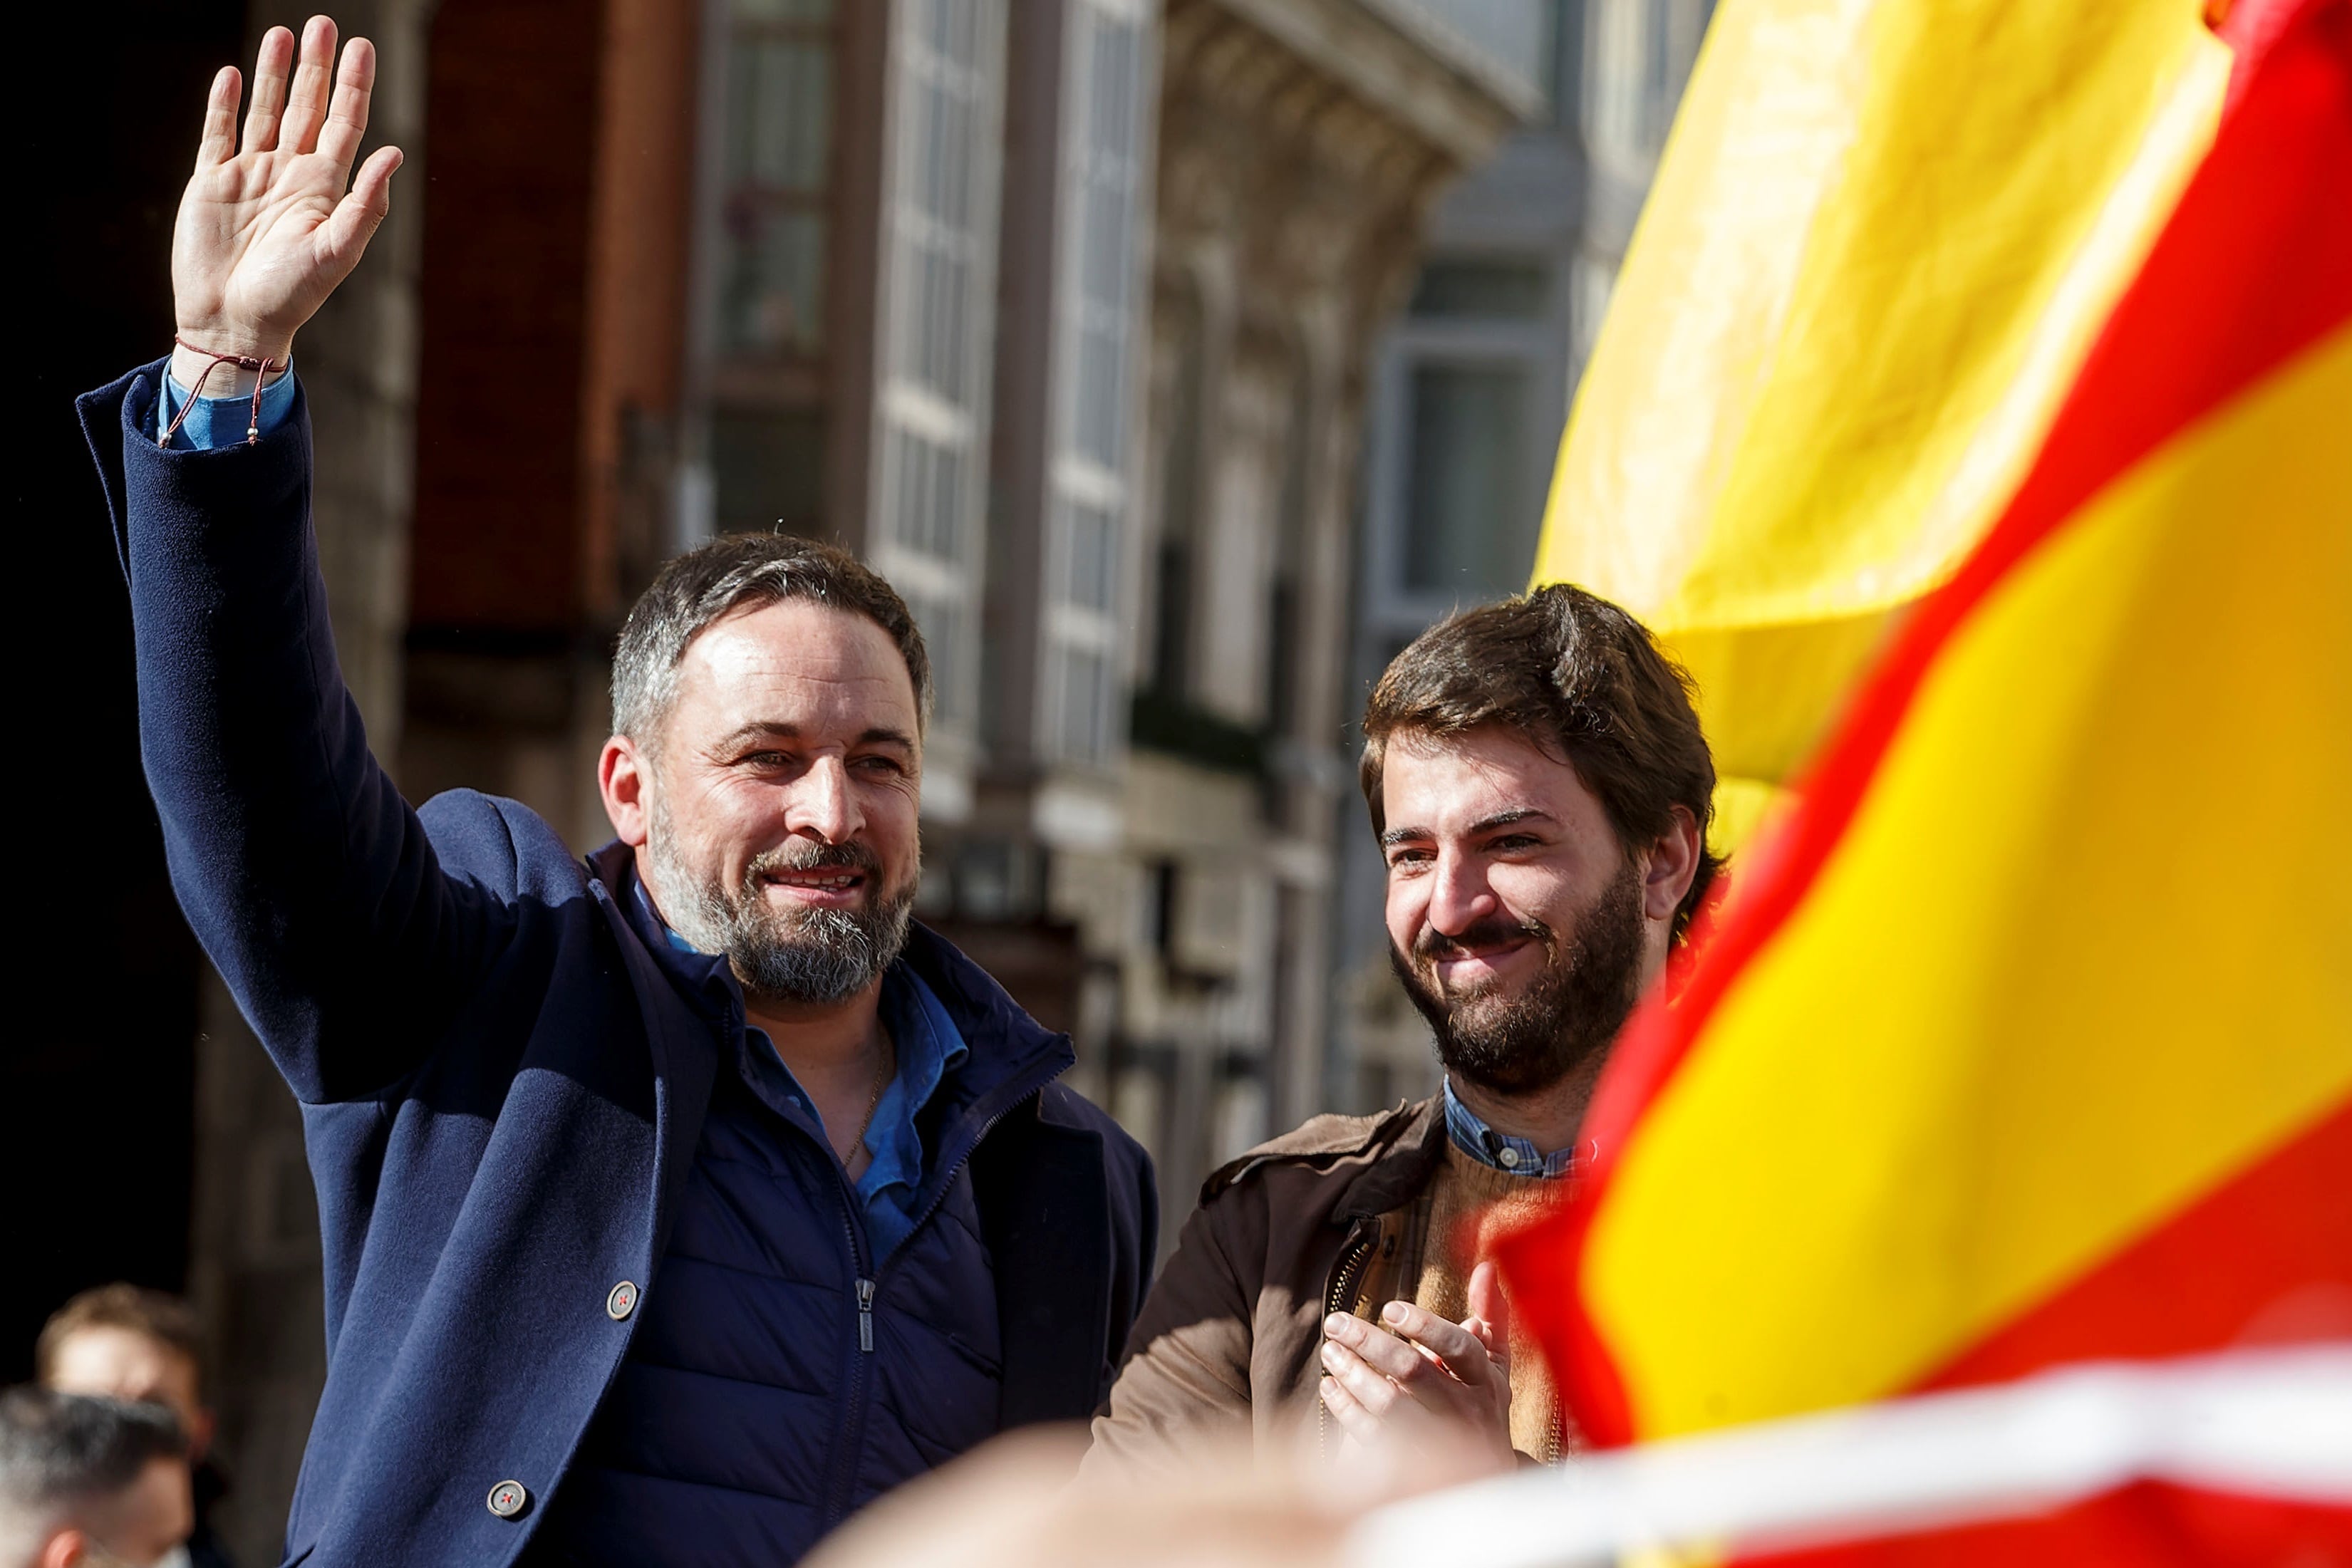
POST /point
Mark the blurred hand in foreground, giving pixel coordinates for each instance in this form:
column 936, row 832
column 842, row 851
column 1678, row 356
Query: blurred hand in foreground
column 1429, row 1388
column 1013, row 1504
column 267, row 232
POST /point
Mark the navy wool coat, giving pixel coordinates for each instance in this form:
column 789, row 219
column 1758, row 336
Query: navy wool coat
column 500, row 1092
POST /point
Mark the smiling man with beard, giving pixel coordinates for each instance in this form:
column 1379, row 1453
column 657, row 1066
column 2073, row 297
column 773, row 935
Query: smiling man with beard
column 1541, row 792
column 676, row 1201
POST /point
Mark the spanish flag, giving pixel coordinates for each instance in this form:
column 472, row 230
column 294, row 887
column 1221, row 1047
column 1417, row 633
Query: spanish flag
column 2025, row 1039
column 1882, row 237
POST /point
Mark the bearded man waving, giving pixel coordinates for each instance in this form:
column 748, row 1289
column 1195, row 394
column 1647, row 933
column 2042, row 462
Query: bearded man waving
column 676, row 1201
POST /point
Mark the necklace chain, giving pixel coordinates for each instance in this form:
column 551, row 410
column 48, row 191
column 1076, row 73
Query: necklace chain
column 873, row 1101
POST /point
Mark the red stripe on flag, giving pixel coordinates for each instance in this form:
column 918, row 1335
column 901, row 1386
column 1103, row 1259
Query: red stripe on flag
column 2207, row 1276
column 2254, row 266
column 2150, row 1525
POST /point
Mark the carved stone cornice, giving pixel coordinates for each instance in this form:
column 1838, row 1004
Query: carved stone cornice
column 1304, row 141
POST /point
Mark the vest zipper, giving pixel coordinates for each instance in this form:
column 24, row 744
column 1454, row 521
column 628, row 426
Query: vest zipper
column 853, row 1428
column 1342, row 1297
column 852, row 1424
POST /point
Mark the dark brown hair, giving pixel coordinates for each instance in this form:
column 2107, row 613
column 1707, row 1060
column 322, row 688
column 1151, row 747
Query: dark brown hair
column 1584, row 681
column 727, row 574
column 164, row 1319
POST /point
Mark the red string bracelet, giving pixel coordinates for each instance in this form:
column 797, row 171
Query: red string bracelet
column 260, row 368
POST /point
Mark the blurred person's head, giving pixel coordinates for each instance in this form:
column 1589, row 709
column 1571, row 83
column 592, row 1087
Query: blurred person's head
column 89, row 1482
column 123, row 1342
column 1542, row 793
column 768, row 698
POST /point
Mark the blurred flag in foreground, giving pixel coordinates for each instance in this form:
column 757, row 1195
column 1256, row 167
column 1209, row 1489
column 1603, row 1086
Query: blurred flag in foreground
column 1881, row 238
column 2027, row 1039
column 2239, row 1459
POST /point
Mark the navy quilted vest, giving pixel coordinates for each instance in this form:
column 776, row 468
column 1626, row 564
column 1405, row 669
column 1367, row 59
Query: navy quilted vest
column 783, row 1375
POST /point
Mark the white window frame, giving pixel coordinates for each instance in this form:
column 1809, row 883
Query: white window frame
column 1075, row 477
column 955, row 419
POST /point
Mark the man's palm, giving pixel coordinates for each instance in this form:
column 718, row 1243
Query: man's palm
column 265, row 235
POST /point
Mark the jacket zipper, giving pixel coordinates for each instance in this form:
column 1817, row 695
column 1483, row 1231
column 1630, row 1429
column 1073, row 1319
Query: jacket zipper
column 1342, row 1297
column 853, row 1424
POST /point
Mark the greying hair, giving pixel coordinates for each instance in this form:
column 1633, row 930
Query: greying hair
column 729, row 574
column 60, row 1453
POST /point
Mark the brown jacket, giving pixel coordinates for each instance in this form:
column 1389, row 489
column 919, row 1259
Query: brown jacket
column 1229, row 1339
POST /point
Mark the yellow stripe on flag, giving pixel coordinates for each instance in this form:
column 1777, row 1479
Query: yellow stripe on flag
column 1881, row 238
column 2082, row 948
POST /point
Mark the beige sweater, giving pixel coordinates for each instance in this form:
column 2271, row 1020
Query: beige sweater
column 1446, row 1234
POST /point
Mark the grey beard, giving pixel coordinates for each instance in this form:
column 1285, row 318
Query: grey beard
column 814, row 956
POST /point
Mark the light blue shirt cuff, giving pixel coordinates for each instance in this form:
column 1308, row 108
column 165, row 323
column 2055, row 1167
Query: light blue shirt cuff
column 221, row 421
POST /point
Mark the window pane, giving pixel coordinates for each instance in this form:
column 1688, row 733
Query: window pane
column 771, row 297
column 1081, row 723
column 779, row 114
column 1085, row 705
column 1093, row 543
column 941, row 624
column 1470, row 529
column 768, row 469
column 927, row 483
column 1101, row 390
column 778, row 145
column 1104, row 177
column 1467, row 288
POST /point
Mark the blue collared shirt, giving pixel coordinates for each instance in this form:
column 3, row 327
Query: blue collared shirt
column 929, row 1046
column 220, row 421
column 1504, row 1151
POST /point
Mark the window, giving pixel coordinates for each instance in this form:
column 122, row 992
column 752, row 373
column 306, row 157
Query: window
column 1469, row 526
column 946, row 151
column 767, row 304
column 939, row 301
column 1101, row 175
column 1180, row 502
column 769, row 466
column 1494, row 289
column 778, row 124
column 1104, row 173
column 1090, row 567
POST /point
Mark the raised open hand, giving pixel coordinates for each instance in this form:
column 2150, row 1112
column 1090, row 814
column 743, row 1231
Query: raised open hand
column 265, row 233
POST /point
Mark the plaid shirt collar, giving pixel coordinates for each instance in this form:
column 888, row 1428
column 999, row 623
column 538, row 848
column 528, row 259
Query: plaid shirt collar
column 1503, row 1151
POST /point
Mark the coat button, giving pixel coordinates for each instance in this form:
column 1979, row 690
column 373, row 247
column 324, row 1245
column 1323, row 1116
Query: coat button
column 622, row 1301
column 508, row 1499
